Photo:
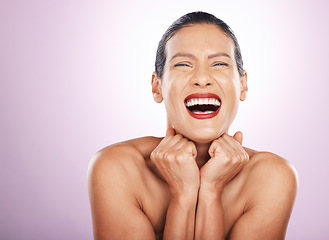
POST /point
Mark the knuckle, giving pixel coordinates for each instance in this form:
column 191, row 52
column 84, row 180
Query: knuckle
column 170, row 156
column 227, row 160
column 160, row 154
column 226, row 136
column 179, row 158
column 217, row 141
column 152, row 156
column 189, row 143
column 167, row 156
column 235, row 161
column 181, row 155
column 178, row 136
column 245, row 157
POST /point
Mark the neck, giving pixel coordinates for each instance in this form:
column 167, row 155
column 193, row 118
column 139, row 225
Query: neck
column 202, row 153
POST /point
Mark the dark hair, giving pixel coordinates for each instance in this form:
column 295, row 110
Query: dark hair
column 187, row 20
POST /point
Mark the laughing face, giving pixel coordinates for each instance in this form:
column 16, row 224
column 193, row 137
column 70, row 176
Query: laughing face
column 201, row 86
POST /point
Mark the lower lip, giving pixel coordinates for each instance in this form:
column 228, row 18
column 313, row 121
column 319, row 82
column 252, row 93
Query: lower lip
column 204, row 116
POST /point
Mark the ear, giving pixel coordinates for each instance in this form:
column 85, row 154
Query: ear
column 243, row 86
column 156, row 88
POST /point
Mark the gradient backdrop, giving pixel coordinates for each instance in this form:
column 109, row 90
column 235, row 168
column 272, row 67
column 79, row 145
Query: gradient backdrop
column 75, row 77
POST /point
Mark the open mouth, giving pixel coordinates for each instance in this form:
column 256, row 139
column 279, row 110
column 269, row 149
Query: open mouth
column 203, row 105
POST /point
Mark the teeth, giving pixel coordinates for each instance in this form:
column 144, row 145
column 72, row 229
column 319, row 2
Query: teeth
column 205, row 112
column 202, row 101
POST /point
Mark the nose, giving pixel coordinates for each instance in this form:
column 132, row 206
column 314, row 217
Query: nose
column 202, row 77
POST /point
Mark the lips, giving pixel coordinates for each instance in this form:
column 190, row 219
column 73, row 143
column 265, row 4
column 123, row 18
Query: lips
column 203, row 105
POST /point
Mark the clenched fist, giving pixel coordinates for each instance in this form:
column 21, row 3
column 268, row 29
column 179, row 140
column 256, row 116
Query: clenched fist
column 227, row 159
column 175, row 158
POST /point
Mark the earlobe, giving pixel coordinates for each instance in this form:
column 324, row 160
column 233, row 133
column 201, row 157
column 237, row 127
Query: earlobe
column 244, row 86
column 156, row 88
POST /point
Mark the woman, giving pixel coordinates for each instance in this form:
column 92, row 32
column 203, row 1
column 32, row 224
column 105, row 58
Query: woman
column 197, row 182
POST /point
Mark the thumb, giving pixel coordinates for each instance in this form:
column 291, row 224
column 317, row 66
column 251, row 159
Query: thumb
column 170, row 132
column 238, row 136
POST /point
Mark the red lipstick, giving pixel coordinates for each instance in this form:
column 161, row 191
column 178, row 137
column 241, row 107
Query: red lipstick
column 200, row 108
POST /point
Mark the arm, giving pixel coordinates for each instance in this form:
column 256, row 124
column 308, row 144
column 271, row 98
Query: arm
column 180, row 217
column 227, row 159
column 174, row 157
column 209, row 217
column 113, row 177
column 270, row 188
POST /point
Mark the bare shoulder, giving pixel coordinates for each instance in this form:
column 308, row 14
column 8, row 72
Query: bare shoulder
column 118, row 154
column 271, row 167
column 123, row 154
column 112, row 172
column 116, row 177
column 271, row 177
column 269, row 190
column 121, row 163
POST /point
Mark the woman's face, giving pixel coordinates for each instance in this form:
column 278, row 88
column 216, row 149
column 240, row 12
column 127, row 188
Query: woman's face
column 200, row 86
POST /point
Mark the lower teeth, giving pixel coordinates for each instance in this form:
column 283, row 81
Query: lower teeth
column 205, row 112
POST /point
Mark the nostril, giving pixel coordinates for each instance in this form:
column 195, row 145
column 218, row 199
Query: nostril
column 198, row 84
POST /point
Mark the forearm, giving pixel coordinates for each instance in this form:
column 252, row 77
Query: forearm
column 209, row 216
column 180, row 219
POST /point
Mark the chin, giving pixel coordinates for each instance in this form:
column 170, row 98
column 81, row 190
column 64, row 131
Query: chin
column 203, row 135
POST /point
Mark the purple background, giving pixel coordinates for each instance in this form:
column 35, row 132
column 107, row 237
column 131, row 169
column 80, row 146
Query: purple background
column 75, row 77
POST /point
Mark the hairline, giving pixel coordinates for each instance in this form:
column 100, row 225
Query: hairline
column 190, row 25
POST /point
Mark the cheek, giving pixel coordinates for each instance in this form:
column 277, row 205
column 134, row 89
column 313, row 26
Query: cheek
column 234, row 97
column 170, row 97
column 231, row 90
column 230, row 83
column 172, row 88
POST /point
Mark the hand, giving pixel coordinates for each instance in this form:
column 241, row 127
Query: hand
column 227, row 159
column 174, row 158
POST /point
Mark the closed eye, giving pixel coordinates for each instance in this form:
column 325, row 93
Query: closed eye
column 220, row 64
column 182, row 65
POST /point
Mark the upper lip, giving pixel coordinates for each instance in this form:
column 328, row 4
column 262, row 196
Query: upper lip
column 202, row 95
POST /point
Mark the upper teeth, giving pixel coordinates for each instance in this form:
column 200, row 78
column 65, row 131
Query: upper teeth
column 202, row 101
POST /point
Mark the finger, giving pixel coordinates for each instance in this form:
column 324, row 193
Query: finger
column 170, row 132
column 235, row 147
column 239, row 143
column 189, row 147
column 179, row 144
column 238, row 136
column 183, row 148
column 166, row 144
column 217, row 147
column 169, row 135
column 231, row 146
column 213, row 148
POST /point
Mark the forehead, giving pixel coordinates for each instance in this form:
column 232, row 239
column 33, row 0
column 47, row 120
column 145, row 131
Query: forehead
column 200, row 39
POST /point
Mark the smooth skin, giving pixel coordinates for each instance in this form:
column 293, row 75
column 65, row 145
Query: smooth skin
column 197, row 182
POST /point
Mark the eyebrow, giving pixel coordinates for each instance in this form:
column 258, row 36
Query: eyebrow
column 189, row 55
column 221, row 54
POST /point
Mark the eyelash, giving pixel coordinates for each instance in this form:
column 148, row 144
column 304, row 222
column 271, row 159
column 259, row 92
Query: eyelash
column 220, row 64
column 182, row 65
column 187, row 65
